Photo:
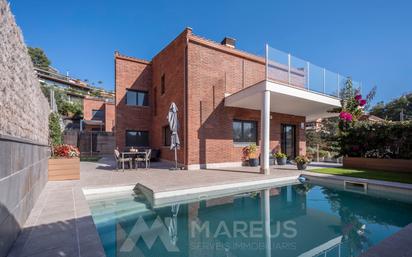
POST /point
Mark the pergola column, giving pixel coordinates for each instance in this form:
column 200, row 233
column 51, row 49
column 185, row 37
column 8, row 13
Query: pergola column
column 265, row 133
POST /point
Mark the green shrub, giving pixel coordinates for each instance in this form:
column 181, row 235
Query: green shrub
column 71, row 109
column 302, row 159
column 54, row 129
column 378, row 140
column 280, row 155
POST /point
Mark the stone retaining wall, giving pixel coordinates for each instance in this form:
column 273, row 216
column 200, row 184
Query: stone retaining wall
column 24, row 133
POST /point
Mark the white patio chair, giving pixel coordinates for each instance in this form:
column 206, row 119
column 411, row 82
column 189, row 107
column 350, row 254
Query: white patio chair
column 120, row 160
column 144, row 158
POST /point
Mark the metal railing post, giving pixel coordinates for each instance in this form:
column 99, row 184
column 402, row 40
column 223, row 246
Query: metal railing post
column 324, row 80
column 338, row 85
column 289, row 69
column 308, row 74
column 266, row 60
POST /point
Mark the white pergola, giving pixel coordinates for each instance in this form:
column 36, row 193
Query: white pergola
column 269, row 96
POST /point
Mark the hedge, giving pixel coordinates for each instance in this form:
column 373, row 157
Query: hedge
column 54, row 129
column 377, row 140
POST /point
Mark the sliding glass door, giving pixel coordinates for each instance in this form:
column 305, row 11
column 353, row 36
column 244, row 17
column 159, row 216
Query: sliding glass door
column 288, row 140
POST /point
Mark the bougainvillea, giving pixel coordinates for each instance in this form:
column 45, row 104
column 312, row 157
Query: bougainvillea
column 67, row 151
column 346, row 116
column 352, row 108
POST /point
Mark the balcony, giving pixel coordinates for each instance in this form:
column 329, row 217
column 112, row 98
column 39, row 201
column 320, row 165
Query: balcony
column 292, row 86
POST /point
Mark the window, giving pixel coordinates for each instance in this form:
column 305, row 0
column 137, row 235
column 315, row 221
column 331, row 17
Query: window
column 137, row 98
column 137, row 138
column 244, row 131
column 162, row 85
column 97, row 114
column 166, row 135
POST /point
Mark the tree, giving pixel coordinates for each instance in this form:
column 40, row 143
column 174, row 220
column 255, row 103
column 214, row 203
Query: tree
column 39, row 58
column 393, row 109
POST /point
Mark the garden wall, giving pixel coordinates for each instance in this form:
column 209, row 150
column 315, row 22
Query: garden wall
column 24, row 115
column 378, row 164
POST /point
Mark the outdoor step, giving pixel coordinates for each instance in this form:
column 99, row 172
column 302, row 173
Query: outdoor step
column 111, row 196
column 118, row 208
column 109, row 214
column 110, row 204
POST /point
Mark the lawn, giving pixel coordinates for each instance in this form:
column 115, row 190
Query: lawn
column 90, row 159
column 368, row 174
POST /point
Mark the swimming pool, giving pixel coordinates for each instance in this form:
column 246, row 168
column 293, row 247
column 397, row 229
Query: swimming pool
column 295, row 220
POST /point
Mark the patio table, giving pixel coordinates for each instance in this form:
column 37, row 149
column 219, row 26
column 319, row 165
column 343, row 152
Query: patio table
column 133, row 155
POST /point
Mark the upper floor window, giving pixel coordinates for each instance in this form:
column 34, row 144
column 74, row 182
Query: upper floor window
column 137, row 98
column 97, row 114
column 163, row 84
column 244, row 131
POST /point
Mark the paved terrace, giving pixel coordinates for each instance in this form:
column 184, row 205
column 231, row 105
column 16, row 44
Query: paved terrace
column 60, row 224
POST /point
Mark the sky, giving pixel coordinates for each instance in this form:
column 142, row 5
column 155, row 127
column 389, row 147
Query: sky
column 371, row 41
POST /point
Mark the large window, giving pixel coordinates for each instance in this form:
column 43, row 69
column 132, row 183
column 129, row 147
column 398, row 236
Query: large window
column 97, row 114
column 166, row 135
column 137, row 98
column 244, row 131
column 137, row 138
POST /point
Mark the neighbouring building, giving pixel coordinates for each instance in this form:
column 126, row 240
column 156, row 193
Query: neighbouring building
column 74, row 88
column 98, row 115
column 93, row 100
column 219, row 91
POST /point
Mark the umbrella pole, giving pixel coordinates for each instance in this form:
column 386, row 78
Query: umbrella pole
column 175, row 158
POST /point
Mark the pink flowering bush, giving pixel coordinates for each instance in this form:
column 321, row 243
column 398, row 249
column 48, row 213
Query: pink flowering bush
column 352, row 108
column 346, row 116
column 352, row 105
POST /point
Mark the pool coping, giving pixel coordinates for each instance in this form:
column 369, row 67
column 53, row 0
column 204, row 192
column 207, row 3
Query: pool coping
column 162, row 198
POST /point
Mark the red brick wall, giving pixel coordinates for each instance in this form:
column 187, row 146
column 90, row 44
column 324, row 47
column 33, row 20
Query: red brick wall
column 90, row 104
column 170, row 62
column 212, row 70
column 211, row 74
column 109, row 118
column 134, row 74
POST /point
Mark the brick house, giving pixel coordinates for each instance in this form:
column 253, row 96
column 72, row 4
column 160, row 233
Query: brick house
column 218, row 91
column 98, row 115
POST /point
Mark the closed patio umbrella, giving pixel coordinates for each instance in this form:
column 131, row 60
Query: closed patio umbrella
column 173, row 125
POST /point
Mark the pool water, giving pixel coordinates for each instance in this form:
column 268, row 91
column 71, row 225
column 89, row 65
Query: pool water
column 295, row 220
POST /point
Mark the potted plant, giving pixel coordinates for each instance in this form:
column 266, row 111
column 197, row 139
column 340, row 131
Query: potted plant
column 64, row 163
column 281, row 158
column 250, row 155
column 301, row 162
column 272, row 160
